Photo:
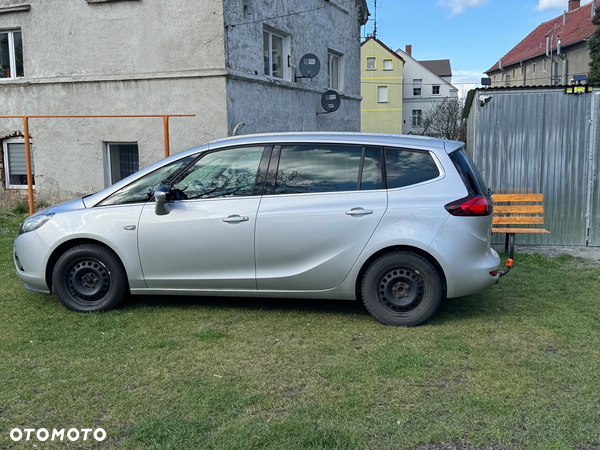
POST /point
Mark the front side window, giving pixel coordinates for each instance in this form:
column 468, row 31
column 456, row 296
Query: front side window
column 15, row 164
column 408, row 167
column 417, row 116
column 11, row 55
column 143, row 189
column 123, row 160
column 306, row 169
column 417, row 85
column 225, row 173
column 274, row 50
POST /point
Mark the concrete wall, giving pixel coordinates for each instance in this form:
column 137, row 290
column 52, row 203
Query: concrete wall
column 379, row 117
column 413, row 70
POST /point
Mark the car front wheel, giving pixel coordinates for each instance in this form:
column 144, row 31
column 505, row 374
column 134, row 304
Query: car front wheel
column 401, row 289
column 89, row 278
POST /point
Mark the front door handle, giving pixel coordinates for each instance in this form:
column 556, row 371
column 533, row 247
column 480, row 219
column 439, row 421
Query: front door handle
column 359, row 212
column 236, row 219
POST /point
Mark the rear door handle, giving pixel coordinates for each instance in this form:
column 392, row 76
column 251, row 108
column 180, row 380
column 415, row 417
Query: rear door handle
column 359, row 212
column 236, row 219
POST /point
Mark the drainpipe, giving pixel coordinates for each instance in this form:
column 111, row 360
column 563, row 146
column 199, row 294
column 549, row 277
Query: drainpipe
column 562, row 56
column 504, row 72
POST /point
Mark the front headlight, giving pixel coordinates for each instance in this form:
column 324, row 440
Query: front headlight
column 34, row 222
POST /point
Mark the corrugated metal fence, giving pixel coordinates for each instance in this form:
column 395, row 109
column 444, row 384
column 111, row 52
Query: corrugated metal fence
column 542, row 140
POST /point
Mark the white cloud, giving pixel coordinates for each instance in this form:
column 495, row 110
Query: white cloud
column 458, row 6
column 545, row 4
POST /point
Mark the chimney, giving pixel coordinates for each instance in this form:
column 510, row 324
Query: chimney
column 564, row 18
column 409, row 50
column 593, row 8
column 574, row 4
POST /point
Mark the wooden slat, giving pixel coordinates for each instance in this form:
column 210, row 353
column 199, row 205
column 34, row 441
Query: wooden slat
column 518, row 221
column 518, row 197
column 519, row 209
column 520, row 230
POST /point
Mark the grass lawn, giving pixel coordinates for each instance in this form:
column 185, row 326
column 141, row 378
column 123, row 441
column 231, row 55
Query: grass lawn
column 515, row 367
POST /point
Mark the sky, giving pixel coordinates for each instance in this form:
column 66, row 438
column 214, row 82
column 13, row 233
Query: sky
column 472, row 34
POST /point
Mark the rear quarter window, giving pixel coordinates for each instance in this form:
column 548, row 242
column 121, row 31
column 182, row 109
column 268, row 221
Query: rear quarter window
column 407, row 167
column 469, row 173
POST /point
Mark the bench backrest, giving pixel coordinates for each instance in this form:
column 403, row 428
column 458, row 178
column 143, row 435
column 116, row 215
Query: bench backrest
column 518, row 209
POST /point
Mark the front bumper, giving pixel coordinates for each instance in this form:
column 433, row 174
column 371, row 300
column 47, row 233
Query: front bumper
column 30, row 255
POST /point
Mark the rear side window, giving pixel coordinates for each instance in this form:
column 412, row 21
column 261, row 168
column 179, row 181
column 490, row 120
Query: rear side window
column 305, row 169
column 468, row 172
column 407, row 167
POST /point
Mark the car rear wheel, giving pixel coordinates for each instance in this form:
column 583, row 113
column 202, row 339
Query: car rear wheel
column 401, row 289
column 89, row 278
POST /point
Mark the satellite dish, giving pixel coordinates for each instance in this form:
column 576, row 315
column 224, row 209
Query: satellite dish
column 330, row 100
column 309, row 65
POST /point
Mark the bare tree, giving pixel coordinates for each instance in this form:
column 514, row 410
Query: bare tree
column 444, row 120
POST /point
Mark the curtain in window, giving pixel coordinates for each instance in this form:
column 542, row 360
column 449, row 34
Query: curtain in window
column 128, row 160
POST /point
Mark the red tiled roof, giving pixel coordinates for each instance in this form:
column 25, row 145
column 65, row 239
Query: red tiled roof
column 579, row 27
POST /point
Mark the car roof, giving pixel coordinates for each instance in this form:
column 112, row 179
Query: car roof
column 375, row 139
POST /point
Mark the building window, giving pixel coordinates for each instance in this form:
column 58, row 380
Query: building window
column 544, row 65
column 513, row 73
column 417, row 115
column 382, row 94
column 122, row 160
column 335, row 70
column 494, row 79
column 417, row 87
column 533, row 68
column 435, row 90
column 275, row 47
column 11, row 54
column 522, row 71
column 388, row 64
column 15, row 164
column 370, row 63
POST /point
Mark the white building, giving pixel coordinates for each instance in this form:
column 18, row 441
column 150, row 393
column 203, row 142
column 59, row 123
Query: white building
column 226, row 61
column 423, row 88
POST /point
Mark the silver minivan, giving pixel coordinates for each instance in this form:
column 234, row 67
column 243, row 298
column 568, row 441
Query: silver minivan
column 397, row 221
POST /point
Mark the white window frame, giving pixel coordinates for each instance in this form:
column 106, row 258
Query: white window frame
column 331, row 55
column 11, row 53
column 285, row 69
column 108, row 154
column 417, row 118
column 391, row 64
column 5, row 144
column 417, row 84
column 374, row 63
column 386, row 94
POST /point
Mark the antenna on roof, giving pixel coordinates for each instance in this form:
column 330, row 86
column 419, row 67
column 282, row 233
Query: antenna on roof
column 375, row 26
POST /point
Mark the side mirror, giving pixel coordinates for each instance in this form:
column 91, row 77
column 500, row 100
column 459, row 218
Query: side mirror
column 161, row 198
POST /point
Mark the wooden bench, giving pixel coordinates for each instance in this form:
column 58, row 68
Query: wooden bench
column 514, row 210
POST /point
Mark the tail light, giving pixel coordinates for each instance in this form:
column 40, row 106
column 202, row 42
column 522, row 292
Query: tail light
column 472, row 205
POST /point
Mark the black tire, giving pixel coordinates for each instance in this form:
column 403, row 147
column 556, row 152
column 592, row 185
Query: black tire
column 90, row 278
column 401, row 289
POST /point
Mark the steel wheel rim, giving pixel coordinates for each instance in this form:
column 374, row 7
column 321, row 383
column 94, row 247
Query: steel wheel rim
column 401, row 290
column 88, row 281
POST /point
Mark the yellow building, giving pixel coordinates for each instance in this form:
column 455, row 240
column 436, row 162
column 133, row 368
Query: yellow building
column 381, row 73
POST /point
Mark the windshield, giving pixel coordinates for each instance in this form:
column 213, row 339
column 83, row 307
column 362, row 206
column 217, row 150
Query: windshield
column 143, row 189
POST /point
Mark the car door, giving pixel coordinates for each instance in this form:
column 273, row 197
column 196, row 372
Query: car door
column 206, row 241
column 321, row 205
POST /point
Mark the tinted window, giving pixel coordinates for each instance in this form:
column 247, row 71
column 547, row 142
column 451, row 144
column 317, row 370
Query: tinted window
column 408, row 167
column 469, row 173
column 143, row 189
column 318, row 168
column 226, row 173
column 371, row 173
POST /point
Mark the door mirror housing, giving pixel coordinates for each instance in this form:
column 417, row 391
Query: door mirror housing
column 161, row 199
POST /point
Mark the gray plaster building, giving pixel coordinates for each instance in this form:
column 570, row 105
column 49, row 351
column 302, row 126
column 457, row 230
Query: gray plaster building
column 226, row 61
column 552, row 54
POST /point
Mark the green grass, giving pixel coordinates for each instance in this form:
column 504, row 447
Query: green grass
column 514, row 367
